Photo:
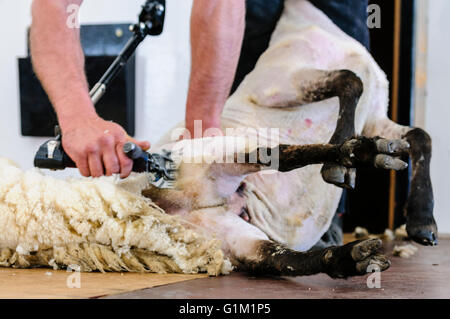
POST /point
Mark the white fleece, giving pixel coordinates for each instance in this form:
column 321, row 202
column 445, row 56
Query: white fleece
column 99, row 224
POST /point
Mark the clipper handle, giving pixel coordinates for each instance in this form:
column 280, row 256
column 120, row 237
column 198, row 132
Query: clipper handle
column 51, row 155
column 138, row 155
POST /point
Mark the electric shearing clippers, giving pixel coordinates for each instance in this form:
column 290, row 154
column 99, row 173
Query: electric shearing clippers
column 161, row 167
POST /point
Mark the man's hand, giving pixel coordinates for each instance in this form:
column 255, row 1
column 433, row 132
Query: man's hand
column 95, row 145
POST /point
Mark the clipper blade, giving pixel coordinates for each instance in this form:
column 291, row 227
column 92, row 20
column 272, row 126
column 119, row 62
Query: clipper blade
column 164, row 170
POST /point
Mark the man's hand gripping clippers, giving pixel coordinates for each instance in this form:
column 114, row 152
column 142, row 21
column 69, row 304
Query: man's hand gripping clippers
column 161, row 167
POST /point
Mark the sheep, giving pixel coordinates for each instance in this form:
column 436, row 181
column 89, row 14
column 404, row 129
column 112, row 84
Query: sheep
column 316, row 85
column 110, row 225
column 327, row 99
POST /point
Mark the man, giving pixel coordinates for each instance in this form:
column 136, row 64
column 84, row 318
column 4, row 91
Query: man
column 217, row 34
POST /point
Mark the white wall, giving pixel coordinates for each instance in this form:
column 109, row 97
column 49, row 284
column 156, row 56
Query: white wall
column 437, row 109
column 163, row 65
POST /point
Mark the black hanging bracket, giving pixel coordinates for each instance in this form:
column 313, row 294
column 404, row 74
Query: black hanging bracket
column 151, row 22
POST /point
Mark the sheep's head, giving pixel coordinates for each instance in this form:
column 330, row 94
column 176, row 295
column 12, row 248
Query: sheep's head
column 210, row 171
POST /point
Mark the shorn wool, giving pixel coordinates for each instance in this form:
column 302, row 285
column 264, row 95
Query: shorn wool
column 101, row 224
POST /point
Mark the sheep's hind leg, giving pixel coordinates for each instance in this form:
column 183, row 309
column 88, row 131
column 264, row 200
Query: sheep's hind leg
column 420, row 223
column 251, row 250
column 311, row 85
column 349, row 88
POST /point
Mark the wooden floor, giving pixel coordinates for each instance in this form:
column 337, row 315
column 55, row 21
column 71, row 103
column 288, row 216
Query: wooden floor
column 44, row 283
column 425, row 275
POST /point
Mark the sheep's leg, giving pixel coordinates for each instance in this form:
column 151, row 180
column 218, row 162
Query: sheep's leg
column 357, row 152
column 354, row 153
column 251, row 250
column 420, row 223
column 224, row 178
column 316, row 85
column 354, row 259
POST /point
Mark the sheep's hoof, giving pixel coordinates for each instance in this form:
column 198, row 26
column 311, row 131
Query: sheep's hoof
column 338, row 175
column 424, row 234
column 356, row 259
column 364, row 254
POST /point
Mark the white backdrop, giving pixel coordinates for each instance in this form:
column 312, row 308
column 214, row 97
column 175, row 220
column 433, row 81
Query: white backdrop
column 437, row 108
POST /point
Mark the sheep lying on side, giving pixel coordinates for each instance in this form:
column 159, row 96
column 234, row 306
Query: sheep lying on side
column 110, row 225
column 98, row 224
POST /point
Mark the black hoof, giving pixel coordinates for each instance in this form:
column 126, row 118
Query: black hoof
column 424, row 235
column 373, row 152
column 338, row 175
column 355, row 259
column 425, row 238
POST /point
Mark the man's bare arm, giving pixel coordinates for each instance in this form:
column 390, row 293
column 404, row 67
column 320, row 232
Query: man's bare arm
column 58, row 60
column 217, row 31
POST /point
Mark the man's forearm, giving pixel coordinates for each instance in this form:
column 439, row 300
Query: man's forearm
column 94, row 144
column 58, row 59
column 217, row 30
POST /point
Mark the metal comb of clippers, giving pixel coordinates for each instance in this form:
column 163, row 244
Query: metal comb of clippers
column 161, row 167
